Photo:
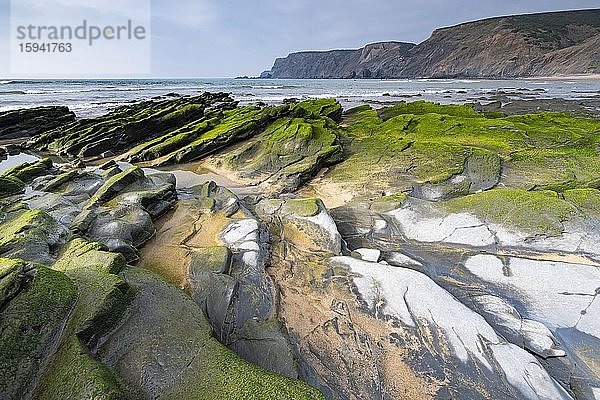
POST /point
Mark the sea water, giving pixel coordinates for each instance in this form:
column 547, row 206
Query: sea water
column 94, row 97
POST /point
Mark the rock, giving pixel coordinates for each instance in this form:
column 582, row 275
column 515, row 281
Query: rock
column 26, row 172
column 127, row 126
column 290, row 151
column 33, row 121
column 413, row 299
column 215, row 248
column 11, row 149
column 115, row 185
column 31, row 324
column 305, row 222
column 164, row 349
column 532, row 48
column 31, row 235
column 10, row 185
column 370, row 255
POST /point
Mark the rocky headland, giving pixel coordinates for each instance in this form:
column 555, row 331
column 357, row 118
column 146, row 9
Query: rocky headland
column 545, row 44
column 193, row 248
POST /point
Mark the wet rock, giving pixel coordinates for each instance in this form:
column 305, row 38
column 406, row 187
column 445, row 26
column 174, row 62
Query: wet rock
column 288, row 153
column 531, row 240
column 10, row 185
column 31, row 235
column 11, row 149
column 31, row 323
column 164, row 349
column 26, row 172
column 127, row 126
column 459, row 336
column 220, row 251
column 103, row 298
column 33, row 121
column 306, row 223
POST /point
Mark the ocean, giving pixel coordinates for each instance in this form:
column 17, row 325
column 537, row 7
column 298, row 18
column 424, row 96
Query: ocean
column 93, row 97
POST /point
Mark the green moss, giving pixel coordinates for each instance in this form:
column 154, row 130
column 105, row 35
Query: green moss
column 80, row 254
column 290, row 150
column 329, row 108
column 214, row 371
column 23, row 223
column 421, row 142
column 536, row 213
column 236, row 125
column 30, row 326
column 303, row 207
column 586, row 200
column 11, row 275
column 10, row 185
column 115, row 185
column 424, row 107
column 27, row 171
column 60, row 180
column 388, row 203
column 74, row 374
column 103, row 299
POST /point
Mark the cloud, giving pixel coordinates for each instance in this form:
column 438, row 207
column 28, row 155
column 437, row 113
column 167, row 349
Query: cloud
column 187, row 13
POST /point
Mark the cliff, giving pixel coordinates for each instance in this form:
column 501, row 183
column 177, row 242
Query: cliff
column 555, row 43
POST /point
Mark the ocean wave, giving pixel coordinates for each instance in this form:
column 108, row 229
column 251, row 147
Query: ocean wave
column 5, row 82
column 267, row 87
column 11, row 92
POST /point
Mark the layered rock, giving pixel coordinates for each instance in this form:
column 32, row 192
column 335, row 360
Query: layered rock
column 459, row 259
column 369, row 62
column 92, row 327
column 220, row 252
column 33, row 121
column 128, row 126
column 504, row 47
column 439, row 152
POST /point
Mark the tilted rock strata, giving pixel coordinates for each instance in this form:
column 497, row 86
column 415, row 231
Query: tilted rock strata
column 527, row 45
column 92, row 327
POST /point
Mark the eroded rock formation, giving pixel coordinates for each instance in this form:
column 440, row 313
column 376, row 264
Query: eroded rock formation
column 416, row 251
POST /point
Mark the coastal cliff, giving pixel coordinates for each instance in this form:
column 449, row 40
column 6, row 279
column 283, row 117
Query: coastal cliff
column 556, row 43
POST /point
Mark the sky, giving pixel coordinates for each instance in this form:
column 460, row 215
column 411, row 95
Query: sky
column 227, row 38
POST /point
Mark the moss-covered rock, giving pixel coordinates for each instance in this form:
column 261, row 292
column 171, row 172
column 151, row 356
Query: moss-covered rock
column 33, row 121
column 11, row 277
column 329, row 108
column 10, row 185
column 115, row 185
column 31, row 325
column 235, row 126
column 453, row 150
column 32, row 235
column 537, row 213
column 287, row 154
column 26, row 172
column 103, row 299
column 164, row 349
column 128, row 126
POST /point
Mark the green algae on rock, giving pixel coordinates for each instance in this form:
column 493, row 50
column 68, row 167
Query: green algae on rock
column 102, row 301
column 191, row 362
column 32, row 235
column 31, row 324
column 10, row 185
column 127, row 126
column 34, row 121
column 26, row 172
column 455, row 150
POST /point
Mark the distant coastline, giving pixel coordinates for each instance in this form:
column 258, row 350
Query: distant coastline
column 558, row 44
